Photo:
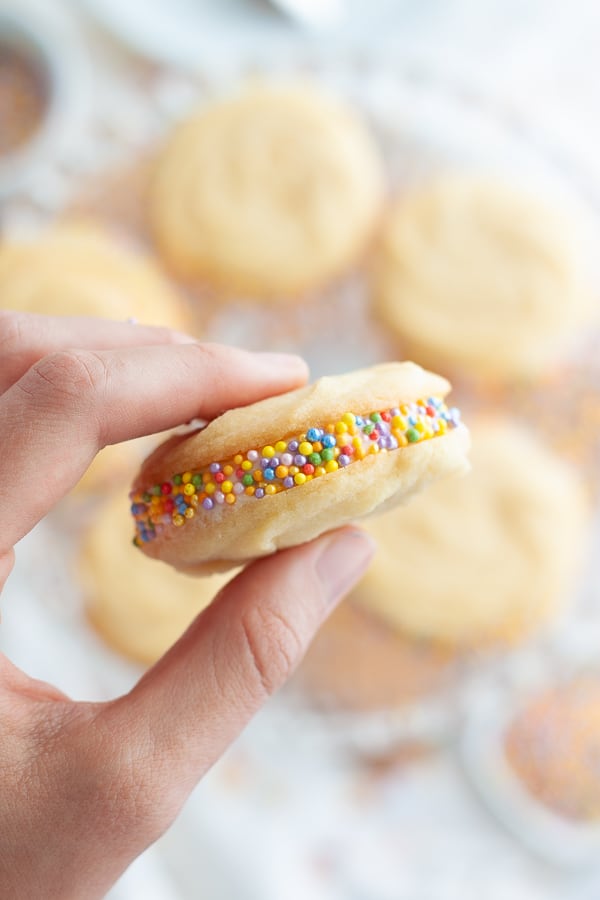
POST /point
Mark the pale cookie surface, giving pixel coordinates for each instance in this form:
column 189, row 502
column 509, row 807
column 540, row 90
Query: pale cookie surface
column 483, row 558
column 270, row 194
column 356, row 662
column 82, row 270
column 197, row 507
column 475, row 272
column 139, row 606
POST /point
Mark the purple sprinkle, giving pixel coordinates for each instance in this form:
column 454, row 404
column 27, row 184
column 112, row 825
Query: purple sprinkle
column 299, row 460
column 238, row 488
column 454, row 414
column 207, row 503
column 252, row 455
column 287, row 459
column 265, row 463
column 274, row 462
column 393, row 443
column 343, row 460
column 259, row 493
column 395, row 411
column 292, row 446
column 288, row 481
column 219, row 497
column 214, row 467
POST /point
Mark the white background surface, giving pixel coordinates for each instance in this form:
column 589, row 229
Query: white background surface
column 280, row 819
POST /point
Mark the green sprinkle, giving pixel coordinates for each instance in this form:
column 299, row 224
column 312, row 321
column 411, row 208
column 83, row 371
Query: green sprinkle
column 248, row 480
column 412, row 436
column 315, row 459
column 146, row 497
column 368, row 428
column 197, row 480
column 177, row 479
column 156, row 490
column 375, row 417
column 327, row 454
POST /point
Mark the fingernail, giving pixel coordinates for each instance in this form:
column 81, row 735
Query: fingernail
column 278, row 361
column 344, row 559
column 180, row 338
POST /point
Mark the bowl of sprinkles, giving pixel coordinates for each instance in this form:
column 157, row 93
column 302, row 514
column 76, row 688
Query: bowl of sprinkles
column 41, row 89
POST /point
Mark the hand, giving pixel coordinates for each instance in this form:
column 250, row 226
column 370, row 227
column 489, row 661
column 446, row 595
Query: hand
column 86, row 787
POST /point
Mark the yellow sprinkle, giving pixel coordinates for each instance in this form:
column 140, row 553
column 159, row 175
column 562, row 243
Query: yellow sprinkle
column 246, row 465
column 210, row 488
column 187, row 476
column 155, row 501
column 443, row 426
column 349, row 419
column 230, row 498
column 359, row 453
column 403, row 409
column 281, row 471
column 299, row 477
column 341, row 428
column 268, row 451
column 320, row 470
column 309, row 478
column 178, row 520
column 250, row 490
column 189, row 513
column 330, row 428
column 331, row 466
column 227, row 470
column 305, row 448
column 420, row 426
column 294, row 470
column 281, row 446
column 373, row 449
column 194, row 499
column 189, row 489
column 342, row 439
column 399, row 422
column 227, row 487
column 238, row 459
column 402, row 439
column 428, row 433
column 257, row 474
column 270, row 489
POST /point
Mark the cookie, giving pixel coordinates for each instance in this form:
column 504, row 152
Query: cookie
column 357, row 663
column 81, row 270
column 269, row 194
column 484, row 559
column 553, row 745
column 472, row 272
column 139, row 607
column 286, row 469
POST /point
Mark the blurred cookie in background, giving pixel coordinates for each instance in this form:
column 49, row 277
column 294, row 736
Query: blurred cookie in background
column 553, row 746
column 487, row 558
column 269, row 194
column 481, row 560
column 80, row 269
column 357, row 663
column 140, row 607
column 478, row 273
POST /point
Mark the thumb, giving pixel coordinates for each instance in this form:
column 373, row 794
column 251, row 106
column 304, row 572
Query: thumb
column 189, row 707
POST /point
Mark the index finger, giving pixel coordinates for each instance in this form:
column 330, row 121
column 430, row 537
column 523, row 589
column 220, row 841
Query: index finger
column 71, row 404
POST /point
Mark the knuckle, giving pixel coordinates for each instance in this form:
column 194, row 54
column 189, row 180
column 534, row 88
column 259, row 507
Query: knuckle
column 72, row 373
column 273, row 647
column 12, row 330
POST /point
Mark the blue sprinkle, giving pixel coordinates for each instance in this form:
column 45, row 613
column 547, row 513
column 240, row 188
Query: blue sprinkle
column 313, row 434
column 329, row 440
column 412, row 420
column 269, row 474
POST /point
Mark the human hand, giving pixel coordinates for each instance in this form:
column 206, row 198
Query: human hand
column 86, row 787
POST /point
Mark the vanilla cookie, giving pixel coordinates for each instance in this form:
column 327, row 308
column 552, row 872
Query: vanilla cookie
column 357, row 662
column 82, row 270
column 487, row 558
column 284, row 470
column 269, row 194
column 138, row 606
column 472, row 271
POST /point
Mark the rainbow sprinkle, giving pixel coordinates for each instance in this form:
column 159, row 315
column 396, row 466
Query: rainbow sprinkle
column 287, row 464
